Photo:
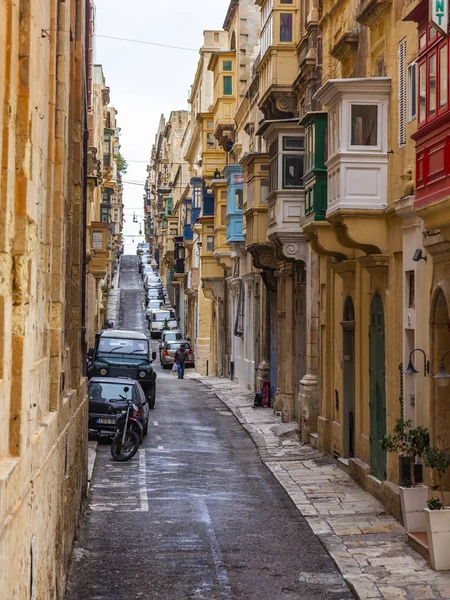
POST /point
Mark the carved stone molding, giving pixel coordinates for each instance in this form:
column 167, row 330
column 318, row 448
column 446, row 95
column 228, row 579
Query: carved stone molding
column 347, row 241
column 279, row 105
column 375, row 263
column 235, row 285
column 238, row 249
column 346, row 44
column 263, row 256
column 214, row 288
column 284, row 272
column 290, row 246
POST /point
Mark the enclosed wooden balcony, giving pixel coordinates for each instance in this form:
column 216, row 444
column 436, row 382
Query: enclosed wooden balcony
column 223, row 65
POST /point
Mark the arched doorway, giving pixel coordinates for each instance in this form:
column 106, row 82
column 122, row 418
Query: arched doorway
column 348, row 326
column 377, row 376
column 440, row 396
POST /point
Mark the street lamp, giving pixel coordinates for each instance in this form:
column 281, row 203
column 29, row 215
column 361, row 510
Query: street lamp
column 442, row 376
column 411, row 370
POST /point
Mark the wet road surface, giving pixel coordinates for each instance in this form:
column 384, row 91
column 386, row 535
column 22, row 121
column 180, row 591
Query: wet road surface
column 195, row 514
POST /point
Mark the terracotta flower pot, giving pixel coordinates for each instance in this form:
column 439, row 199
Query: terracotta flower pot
column 438, row 530
column 413, row 501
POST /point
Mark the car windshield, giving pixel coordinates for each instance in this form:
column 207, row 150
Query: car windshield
column 172, row 335
column 122, row 346
column 162, row 315
column 110, row 392
column 175, row 346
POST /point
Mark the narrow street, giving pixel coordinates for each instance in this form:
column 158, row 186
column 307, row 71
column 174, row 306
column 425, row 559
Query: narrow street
column 195, row 514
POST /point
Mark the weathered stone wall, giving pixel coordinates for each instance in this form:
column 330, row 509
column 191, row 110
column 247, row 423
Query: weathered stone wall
column 42, row 389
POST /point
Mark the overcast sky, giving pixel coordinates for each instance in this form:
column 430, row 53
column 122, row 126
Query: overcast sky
column 146, row 81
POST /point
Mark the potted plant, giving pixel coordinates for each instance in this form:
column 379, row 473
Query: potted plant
column 436, row 515
column 411, row 443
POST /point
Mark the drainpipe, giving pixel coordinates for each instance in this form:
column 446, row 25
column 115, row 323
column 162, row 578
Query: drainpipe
column 84, row 200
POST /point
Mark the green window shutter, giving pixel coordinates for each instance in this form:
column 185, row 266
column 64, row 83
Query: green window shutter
column 227, row 85
column 227, row 65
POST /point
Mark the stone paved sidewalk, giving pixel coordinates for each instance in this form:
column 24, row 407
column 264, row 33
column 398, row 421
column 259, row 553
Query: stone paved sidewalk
column 367, row 544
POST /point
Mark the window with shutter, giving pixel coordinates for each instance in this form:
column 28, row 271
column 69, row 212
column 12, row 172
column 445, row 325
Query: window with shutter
column 402, row 106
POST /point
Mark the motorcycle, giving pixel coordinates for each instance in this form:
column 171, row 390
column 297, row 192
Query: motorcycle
column 129, row 433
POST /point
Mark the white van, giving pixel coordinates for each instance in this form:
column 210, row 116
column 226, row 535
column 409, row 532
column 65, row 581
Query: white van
column 157, row 319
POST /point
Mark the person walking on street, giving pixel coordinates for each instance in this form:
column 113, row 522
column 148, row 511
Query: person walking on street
column 180, row 357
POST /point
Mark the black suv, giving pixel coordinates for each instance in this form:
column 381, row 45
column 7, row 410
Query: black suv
column 120, row 353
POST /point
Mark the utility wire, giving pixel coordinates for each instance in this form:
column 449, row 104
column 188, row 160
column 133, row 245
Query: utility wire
column 111, row 37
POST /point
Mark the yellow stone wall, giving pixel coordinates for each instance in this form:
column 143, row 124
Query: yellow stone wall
column 43, row 406
column 376, row 55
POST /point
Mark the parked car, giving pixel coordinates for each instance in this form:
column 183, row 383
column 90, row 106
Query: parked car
column 169, row 335
column 106, row 401
column 168, row 353
column 153, row 303
column 121, row 353
column 153, row 295
column 156, row 319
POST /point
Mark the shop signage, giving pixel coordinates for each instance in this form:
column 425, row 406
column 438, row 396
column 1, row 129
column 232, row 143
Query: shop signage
column 439, row 15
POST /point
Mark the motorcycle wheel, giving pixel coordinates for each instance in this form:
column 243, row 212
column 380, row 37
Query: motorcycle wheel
column 129, row 449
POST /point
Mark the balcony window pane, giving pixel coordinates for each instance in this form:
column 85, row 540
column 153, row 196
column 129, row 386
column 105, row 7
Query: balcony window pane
column 432, row 76
column 274, row 174
column 364, row 125
column 423, row 41
column 412, row 91
column 293, row 167
column 227, row 85
column 265, row 186
column 422, row 91
column 293, row 143
column 227, row 65
column 285, row 27
column 443, row 76
column 211, row 142
column 209, row 243
column 239, row 199
column 285, row 1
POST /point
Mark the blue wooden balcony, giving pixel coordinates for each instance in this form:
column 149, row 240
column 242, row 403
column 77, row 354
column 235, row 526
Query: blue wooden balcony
column 235, row 199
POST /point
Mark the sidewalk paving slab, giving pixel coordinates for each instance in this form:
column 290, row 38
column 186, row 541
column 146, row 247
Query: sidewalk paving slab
column 367, row 544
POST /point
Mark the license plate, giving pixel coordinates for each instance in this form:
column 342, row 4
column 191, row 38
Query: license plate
column 106, row 421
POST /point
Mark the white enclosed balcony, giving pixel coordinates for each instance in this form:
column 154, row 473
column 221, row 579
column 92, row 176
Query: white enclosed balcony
column 357, row 142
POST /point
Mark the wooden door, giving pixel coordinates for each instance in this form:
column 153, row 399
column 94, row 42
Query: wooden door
column 377, row 372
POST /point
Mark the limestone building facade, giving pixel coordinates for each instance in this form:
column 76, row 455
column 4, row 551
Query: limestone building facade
column 43, row 407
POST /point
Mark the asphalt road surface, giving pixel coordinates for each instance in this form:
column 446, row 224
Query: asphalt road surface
column 195, row 514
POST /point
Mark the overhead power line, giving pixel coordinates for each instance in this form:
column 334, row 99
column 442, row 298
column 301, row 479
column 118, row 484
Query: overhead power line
column 111, row 37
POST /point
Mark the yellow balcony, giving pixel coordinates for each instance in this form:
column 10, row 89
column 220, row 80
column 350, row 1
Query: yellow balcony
column 99, row 236
column 222, row 252
column 209, row 267
column 223, row 65
column 278, row 67
column 256, row 173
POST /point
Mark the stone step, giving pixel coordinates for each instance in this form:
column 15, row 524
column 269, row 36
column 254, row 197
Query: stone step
column 313, row 438
column 342, row 463
column 419, row 541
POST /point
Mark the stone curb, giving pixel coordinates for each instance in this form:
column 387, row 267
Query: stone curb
column 367, row 545
column 92, row 455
